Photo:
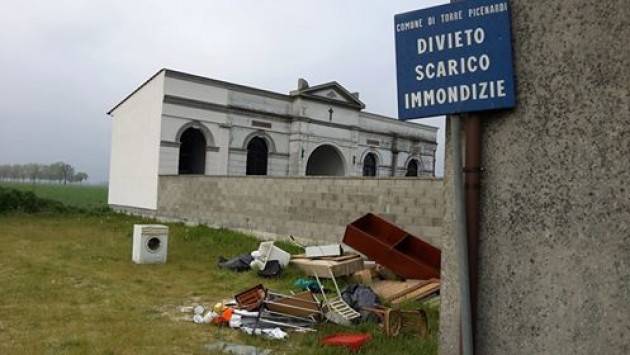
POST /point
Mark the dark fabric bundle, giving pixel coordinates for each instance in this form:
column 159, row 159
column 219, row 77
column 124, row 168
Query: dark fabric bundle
column 358, row 297
column 272, row 269
column 239, row 263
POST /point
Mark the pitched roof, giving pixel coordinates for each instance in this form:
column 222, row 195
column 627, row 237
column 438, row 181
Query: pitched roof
column 331, row 92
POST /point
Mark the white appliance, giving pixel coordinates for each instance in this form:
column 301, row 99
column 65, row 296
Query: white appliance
column 150, row 244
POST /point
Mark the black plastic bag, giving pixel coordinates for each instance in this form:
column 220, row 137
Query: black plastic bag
column 272, row 269
column 239, row 263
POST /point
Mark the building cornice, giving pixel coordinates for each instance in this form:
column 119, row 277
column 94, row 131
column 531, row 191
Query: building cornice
column 169, row 144
column 225, row 84
column 271, row 94
column 234, row 109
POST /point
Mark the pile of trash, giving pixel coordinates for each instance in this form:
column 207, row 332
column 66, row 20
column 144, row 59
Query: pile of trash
column 393, row 267
column 269, row 260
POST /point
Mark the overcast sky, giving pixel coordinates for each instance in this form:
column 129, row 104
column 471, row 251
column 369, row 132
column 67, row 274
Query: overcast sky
column 65, row 63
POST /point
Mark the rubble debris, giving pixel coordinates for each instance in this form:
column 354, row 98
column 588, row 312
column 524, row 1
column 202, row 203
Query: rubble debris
column 270, row 333
column 186, row 309
column 387, row 289
column 363, row 277
column 394, row 248
column 391, row 319
column 399, row 291
column 307, row 285
column 235, row 349
column 251, row 299
column 344, row 257
column 218, row 318
column 299, row 305
column 261, row 312
column 244, row 313
column 199, row 309
column 208, row 318
column 218, row 307
column 261, row 308
column 360, row 297
column 431, row 288
column 335, row 309
column 266, row 252
column 340, row 266
column 353, row 341
column 235, row 321
column 268, row 320
column 272, row 269
column 238, row 263
column 318, row 251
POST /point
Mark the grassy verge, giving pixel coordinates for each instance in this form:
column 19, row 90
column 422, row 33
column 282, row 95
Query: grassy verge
column 83, row 196
column 68, row 286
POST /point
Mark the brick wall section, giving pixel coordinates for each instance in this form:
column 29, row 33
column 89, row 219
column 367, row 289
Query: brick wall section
column 313, row 208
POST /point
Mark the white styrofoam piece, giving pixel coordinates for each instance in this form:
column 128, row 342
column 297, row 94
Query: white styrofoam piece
column 269, row 252
column 323, row 250
column 150, row 244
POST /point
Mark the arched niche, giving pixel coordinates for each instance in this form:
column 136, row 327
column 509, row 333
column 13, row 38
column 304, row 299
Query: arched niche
column 257, row 156
column 325, row 160
column 413, row 167
column 192, row 152
column 370, row 164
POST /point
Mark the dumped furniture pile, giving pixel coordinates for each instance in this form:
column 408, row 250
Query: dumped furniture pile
column 393, row 267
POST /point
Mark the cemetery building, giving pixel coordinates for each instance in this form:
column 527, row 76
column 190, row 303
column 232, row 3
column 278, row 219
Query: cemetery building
column 182, row 124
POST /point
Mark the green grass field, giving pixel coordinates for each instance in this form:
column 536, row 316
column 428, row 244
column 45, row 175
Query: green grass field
column 85, row 196
column 68, row 286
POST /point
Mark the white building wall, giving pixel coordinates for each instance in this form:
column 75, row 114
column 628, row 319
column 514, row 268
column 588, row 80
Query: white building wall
column 175, row 118
column 296, row 125
column 260, row 102
column 237, row 162
column 195, row 90
column 171, row 125
column 379, row 123
column 242, row 135
column 186, row 114
column 214, row 163
column 169, row 160
column 222, row 141
column 278, row 165
column 320, row 112
column 135, row 149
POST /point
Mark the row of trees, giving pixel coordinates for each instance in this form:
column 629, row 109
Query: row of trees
column 58, row 172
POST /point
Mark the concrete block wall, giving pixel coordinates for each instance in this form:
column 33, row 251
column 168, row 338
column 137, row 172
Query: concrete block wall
column 315, row 209
column 554, row 248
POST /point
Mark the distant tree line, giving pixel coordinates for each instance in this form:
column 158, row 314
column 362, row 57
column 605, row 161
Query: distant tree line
column 57, row 172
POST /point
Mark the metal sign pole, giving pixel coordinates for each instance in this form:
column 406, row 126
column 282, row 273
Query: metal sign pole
column 461, row 238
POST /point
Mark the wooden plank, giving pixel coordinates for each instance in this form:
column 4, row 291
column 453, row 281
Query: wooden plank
column 411, row 289
column 300, row 305
column 430, row 288
column 386, row 289
column 330, row 258
column 342, row 257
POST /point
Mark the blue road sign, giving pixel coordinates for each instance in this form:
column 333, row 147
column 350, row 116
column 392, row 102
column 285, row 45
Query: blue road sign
column 454, row 58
